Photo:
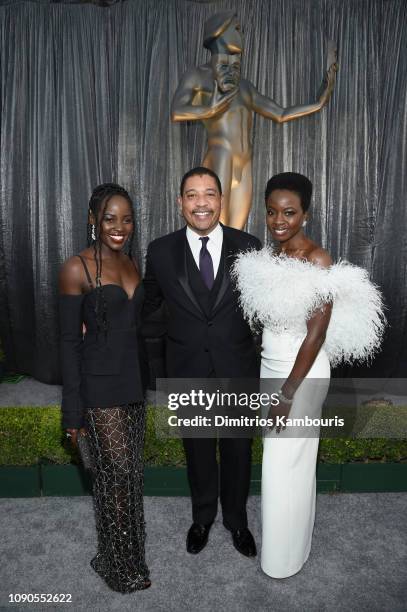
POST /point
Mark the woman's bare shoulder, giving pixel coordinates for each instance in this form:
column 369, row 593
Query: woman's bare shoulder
column 71, row 276
column 320, row 257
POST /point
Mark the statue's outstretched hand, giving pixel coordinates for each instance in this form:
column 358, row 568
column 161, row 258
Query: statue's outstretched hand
column 220, row 102
column 327, row 85
column 328, row 82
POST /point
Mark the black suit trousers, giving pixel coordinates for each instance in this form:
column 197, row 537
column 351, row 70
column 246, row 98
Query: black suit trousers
column 230, row 479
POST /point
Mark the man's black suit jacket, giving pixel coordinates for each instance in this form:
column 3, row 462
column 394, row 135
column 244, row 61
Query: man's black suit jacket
column 198, row 344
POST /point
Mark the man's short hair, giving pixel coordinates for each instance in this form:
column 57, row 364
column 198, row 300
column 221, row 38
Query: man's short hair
column 291, row 181
column 199, row 171
column 216, row 25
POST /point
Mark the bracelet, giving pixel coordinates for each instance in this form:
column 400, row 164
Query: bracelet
column 284, row 398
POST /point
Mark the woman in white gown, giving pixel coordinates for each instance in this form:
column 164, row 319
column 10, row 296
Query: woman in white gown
column 314, row 314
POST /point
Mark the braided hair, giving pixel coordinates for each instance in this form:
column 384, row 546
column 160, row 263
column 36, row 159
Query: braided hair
column 97, row 206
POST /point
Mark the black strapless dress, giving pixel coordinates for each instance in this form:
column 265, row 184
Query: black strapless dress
column 103, row 392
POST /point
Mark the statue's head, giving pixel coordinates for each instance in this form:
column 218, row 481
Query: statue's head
column 222, row 33
column 226, row 70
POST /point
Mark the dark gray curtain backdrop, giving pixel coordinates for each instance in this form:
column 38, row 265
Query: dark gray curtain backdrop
column 85, row 97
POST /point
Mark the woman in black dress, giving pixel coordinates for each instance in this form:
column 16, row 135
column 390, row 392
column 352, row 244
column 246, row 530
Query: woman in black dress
column 100, row 300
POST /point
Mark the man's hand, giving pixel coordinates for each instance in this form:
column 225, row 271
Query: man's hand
column 73, row 434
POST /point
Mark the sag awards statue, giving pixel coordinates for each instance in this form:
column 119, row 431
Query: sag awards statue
column 216, row 94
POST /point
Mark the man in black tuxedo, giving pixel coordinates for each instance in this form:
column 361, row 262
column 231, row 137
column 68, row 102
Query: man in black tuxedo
column 207, row 337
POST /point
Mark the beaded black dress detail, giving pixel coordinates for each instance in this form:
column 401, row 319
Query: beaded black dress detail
column 116, row 439
column 103, row 392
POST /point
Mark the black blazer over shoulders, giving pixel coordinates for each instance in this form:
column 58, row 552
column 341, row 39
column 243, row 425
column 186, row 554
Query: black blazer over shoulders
column 198, row 342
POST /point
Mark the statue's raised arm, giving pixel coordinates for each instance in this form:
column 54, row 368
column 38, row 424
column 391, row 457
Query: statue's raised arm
column 271, row 110
column 215, row 94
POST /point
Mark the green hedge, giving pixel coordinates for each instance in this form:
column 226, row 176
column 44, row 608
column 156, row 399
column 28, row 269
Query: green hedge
column 29, row 435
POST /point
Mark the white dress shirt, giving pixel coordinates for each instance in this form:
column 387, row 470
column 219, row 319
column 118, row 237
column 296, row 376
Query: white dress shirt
column 214, row 246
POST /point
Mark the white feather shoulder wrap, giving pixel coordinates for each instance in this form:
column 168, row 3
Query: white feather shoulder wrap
column 281, row 293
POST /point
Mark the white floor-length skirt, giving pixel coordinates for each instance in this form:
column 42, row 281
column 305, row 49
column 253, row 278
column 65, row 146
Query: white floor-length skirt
column 289, row 462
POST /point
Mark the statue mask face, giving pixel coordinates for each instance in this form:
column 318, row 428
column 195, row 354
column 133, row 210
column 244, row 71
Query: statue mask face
column 226, row 70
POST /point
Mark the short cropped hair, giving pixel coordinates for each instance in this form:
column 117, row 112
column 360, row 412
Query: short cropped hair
column 199, row 171
column 291, row 181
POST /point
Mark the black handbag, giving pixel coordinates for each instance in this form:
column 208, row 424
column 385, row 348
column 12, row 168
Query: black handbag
column 85, row 454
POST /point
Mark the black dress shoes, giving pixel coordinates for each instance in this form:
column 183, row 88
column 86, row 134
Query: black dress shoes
column 197, row 538
column 243, row 541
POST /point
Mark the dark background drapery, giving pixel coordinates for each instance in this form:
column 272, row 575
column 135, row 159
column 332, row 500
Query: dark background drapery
column 85, row 98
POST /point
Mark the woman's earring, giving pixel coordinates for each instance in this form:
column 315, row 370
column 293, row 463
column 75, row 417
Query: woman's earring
column 304, row 223
column 93, row 233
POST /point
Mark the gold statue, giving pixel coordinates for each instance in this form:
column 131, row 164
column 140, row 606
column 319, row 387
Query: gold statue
column 216, row 94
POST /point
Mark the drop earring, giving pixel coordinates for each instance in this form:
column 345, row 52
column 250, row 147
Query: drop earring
column 304, row 223
column 93, row 233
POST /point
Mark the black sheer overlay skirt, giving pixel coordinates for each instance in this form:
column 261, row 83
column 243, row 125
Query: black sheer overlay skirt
column 116, row 441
